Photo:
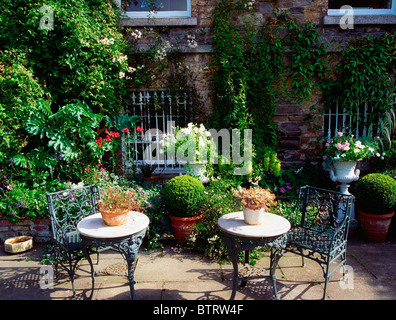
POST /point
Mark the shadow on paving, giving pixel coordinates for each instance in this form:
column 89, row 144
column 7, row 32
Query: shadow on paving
column 172, row 275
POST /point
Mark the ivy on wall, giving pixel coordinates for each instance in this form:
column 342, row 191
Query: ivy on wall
column 257, row 62
column 366, row 74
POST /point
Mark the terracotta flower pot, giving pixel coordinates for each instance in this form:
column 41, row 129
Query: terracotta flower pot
column 114, row 218
column 151, row 181
column 375, row 226
column 182, row 227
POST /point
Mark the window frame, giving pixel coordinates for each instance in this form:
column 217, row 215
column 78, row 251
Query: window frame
column 159, row 14
column 365, row 12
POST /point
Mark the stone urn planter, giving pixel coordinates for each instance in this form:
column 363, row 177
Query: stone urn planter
column 346, row 172
column 18, row 244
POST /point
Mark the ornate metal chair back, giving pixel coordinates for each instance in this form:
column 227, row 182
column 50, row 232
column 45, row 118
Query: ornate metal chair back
column 67, row 208
column 322, row 210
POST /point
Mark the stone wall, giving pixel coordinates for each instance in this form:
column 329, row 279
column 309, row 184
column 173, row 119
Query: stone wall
column 297, row 131
column 40, row 229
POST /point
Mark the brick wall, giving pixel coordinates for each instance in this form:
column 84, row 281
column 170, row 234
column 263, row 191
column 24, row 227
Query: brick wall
column 297, row 133
column 39, row 229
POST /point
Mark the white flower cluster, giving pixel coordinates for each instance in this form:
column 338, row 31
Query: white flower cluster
column 120, row 59
column 161, row 54
column 192, row 43
column 250, row 4
column 136, row 34
column 192, row 137
column 107, row 42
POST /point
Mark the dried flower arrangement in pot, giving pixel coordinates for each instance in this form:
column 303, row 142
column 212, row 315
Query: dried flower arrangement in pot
column 255, row 202
column 115, row 205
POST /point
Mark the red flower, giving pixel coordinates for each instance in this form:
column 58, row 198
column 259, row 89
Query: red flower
column 99, row 142
column 114, row 134
column 106, row 131
column 108, row 139
column 140, row 129
column 126, row 130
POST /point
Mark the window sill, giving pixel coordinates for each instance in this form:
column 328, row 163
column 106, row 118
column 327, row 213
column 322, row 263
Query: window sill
column 362, row 20
column 158, row 22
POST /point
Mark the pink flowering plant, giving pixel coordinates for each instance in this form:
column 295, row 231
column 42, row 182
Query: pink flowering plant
column 344, row 147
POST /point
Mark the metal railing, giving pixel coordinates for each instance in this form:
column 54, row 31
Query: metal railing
column 157, row 109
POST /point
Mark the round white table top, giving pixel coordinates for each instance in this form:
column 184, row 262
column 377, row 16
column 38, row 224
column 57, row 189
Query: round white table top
column 93, row 226
column 272, row 226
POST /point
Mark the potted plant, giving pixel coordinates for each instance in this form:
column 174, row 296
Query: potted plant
column 147, row 172
column 192, row 146
column 115, row 204
column 255, row 202
column 376, row 201
column 183, row 197
column 343, row 152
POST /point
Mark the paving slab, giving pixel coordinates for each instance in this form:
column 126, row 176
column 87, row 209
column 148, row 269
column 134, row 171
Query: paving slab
column 180, row 274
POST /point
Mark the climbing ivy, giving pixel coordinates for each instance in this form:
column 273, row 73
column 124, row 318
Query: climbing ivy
column 257, row 62
column 366, row 74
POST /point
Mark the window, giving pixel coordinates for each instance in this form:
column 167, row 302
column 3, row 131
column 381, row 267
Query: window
column 162, row 8
column 336, row 119
column 157, row 109
column 365, row 7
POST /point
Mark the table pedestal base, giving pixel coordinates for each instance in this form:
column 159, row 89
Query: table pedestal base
column 237, row 244
column 128, row 247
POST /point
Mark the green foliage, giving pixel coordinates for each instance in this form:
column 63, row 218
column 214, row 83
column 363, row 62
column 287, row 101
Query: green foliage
column 308, row 65
column 48, row 133
column 19, row 89
column 376, row 193
column 246, row 74
column 255, row 63
column 219, row 200
column 366, row 74
column 183, row 196
column 79, row 59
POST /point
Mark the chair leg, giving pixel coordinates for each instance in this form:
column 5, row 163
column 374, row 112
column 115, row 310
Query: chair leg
column 327, row 278
column 302, row 258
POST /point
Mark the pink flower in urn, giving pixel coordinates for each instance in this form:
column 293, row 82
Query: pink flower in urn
column 343, row 147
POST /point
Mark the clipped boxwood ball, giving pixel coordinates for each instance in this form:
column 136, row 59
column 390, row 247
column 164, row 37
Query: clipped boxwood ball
column 183, row 196
column 376, row 194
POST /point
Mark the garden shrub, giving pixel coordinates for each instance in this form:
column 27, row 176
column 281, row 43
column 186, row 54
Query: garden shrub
column 219, row 200
column 376, row 193
column 60, row 88
column 184, row 196
column 80, row 58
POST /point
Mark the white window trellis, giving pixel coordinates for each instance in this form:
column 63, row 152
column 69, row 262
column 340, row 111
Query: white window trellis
column 157, row 109
column 338, row 119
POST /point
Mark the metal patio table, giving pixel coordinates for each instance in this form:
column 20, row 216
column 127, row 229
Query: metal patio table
column 240, row 236
column 125, row 239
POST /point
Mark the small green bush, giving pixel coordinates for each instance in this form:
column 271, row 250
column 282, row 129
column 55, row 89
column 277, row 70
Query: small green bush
column 376, row 194
column 183, row 196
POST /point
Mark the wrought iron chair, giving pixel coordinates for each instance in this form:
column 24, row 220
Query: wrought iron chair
column 320, row 223
column 66, row 209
